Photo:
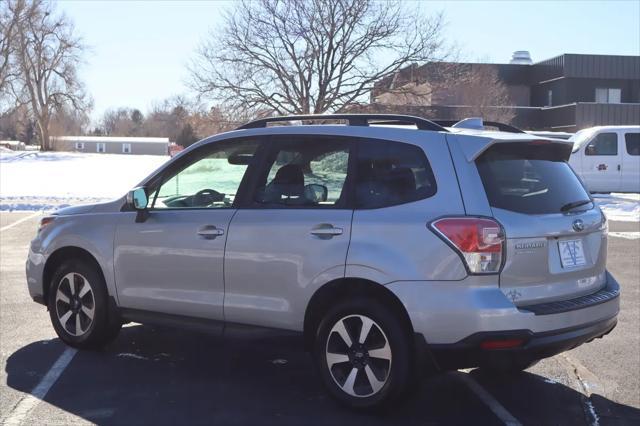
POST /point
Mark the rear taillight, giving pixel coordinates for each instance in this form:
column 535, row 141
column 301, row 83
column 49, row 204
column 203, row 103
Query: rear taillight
column 479, row 241
column 604, row 224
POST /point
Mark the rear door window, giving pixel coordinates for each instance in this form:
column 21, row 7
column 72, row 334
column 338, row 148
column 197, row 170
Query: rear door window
column 304, row 172
column 391, row 173
column 632, row 140
column 528, row 178
column 603, row 144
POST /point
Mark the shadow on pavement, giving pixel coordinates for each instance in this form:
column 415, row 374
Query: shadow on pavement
column 534, row 399
column 156, row 376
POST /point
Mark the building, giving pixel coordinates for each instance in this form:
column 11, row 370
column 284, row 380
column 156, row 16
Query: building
column 566, row 93
column 111, row 145
column 13, row 145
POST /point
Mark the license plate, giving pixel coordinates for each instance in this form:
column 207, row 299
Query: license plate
column 571, row 253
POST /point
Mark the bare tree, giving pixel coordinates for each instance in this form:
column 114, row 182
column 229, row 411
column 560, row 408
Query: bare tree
column 469, row 90
column 8, row 24
column 47, row 54
column 68, row 121
column 479, row 89
column 310, row 56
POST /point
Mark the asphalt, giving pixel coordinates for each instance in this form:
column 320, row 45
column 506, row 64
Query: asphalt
column 160, row 376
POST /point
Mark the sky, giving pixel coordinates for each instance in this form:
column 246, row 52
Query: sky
column 138, row 51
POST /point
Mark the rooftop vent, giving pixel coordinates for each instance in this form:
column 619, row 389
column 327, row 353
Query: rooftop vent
column 521, row 57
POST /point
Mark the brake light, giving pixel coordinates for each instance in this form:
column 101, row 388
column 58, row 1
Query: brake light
column 479, row 241
column 501, row 344
column 540, row 142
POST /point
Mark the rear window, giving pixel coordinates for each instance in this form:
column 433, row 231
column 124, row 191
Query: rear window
column 391, row 173
column 633, row 143
column 530, row 178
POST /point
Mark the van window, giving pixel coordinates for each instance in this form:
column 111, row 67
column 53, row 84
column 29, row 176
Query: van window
column 632, row 141
column 532, row 179
column 603, row 144
column 391, row 173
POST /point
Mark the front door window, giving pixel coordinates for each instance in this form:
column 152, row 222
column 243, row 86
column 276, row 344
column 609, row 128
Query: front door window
column 210, row 179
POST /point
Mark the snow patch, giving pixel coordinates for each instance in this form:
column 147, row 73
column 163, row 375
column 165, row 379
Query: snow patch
column 632, row 235
column 619, row 207
column 50, row 180
column 130, row 355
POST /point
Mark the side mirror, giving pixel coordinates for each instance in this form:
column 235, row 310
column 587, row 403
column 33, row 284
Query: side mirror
column 137, row 198
column 316, row 193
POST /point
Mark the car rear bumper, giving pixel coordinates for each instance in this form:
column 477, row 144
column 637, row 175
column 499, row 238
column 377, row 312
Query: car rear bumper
column 469, row 352
column 34, row 272
column 455, row 318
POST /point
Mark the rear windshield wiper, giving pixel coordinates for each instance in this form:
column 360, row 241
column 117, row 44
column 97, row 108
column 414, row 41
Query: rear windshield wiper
column 573, row 205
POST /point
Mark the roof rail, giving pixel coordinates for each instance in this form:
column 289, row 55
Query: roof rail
column 352, row 120
column 475, row 121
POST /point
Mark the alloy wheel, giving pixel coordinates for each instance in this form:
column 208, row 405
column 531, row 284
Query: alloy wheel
column 75, row 304
column 358, row 355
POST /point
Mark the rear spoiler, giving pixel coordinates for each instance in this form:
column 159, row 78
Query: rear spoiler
column 477, row 123
column 473, row 146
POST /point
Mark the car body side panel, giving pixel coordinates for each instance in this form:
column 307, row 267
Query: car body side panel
column 395, row 244
column 447, row 312
column 92, row 232
column 164, row 265
column 273, row 264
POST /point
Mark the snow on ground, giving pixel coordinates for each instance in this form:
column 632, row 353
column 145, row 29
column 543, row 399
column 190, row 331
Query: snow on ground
column 48, row 180
column 620, row 207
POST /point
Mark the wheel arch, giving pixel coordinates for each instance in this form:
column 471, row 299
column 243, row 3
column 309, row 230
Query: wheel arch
column 341, row 288
column 58, row 257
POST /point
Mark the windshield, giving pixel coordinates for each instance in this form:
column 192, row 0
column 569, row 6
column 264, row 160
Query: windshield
column 532, row 179
column 581, row 138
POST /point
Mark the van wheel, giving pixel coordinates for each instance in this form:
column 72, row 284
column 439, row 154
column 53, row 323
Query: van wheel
column 78, row 306
column 363, row 354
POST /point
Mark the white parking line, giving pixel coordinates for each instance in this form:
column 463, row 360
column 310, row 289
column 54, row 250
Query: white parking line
column 19, row 221
column 20, row 412
column 488, row 399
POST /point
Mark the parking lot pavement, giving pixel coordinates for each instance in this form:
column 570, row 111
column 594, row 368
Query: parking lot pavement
column 152, row 375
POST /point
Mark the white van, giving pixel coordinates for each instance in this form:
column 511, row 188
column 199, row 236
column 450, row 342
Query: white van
column 607, row 158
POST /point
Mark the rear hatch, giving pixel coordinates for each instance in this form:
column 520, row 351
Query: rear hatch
column 556, row 244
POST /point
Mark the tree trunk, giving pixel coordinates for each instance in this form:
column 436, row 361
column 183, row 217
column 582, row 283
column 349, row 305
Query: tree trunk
column 43, row 131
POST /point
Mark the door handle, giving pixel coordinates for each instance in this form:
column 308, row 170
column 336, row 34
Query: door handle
column 210, row 232
column 326, row 231
column 618, row 167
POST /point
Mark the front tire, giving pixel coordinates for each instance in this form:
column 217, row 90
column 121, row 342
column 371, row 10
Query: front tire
column 79, row 308
column 363, row 354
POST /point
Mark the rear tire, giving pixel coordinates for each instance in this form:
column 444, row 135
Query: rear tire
column 79, row 306
column 363, row 354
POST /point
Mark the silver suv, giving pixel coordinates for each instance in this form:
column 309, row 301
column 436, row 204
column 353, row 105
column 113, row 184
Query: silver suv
column 395, row 245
